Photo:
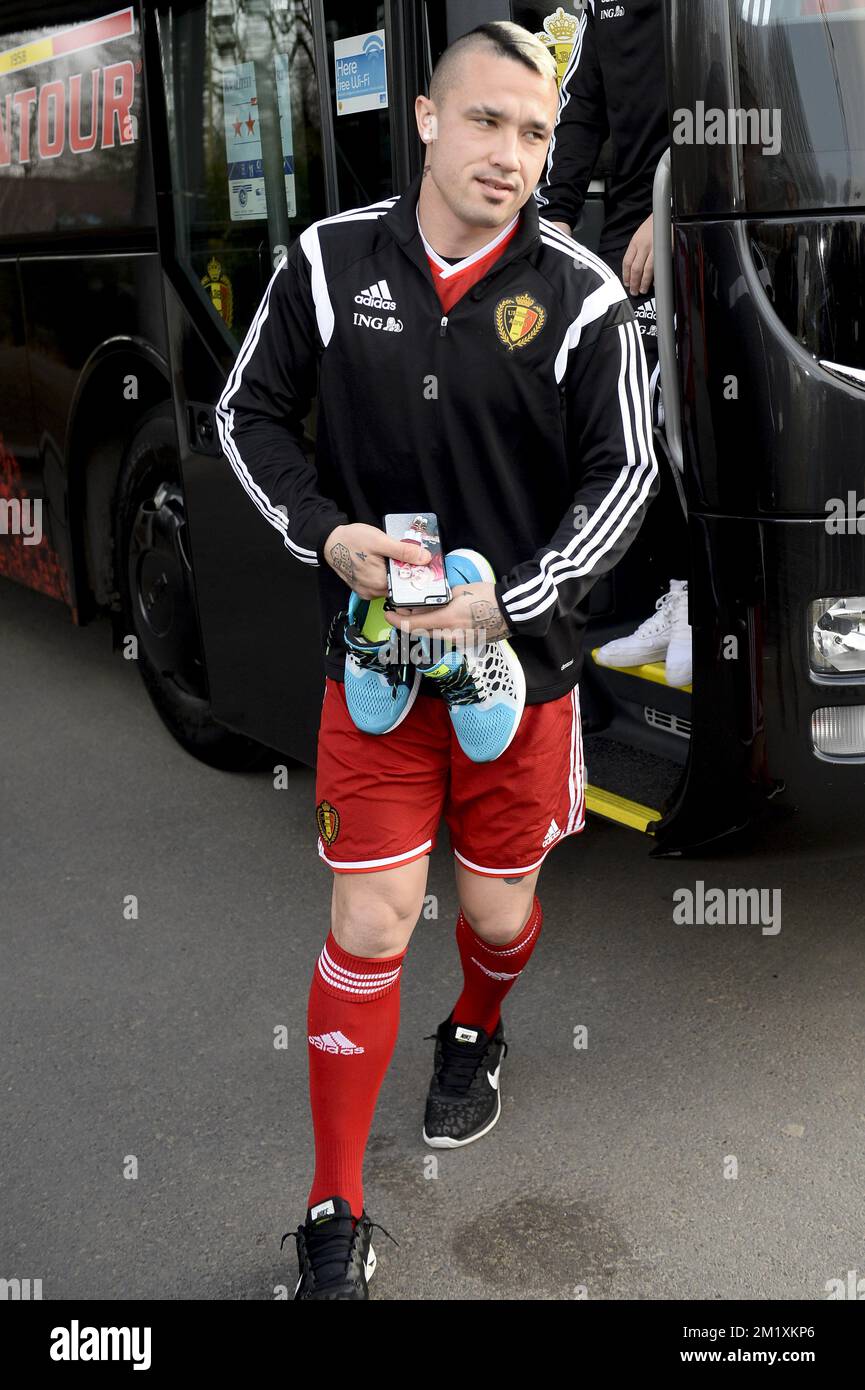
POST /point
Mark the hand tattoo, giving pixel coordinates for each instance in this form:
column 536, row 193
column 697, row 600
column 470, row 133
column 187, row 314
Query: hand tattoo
column 340, row 559
column 489, row 617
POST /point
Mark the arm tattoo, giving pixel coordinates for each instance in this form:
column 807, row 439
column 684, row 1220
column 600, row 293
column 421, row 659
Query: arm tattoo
column 514, row 880
column 361, row 554
column 340, row 559
column 490, row 618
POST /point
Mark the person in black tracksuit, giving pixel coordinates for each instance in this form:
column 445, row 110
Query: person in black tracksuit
column 516, row 409
column 538, row 452
column 614, row 86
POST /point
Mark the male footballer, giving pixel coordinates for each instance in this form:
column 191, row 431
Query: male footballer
column 476, row 366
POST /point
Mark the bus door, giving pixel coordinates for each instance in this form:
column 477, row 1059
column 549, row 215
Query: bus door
column 636, row 727
column 276, row 115
column 768, row 189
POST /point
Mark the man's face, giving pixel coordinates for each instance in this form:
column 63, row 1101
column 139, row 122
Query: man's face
column 490, row 138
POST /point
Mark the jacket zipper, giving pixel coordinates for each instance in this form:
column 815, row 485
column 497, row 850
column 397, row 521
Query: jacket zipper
column 444, row 326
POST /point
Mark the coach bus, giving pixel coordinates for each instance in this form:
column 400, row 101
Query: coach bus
column 155, row 160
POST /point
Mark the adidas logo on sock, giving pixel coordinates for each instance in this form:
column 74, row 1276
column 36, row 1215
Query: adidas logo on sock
column 552, row 834
column 376, row 297
column 334, row 1042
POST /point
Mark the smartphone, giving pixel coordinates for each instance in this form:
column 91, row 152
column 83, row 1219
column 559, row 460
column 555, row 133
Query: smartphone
column 415, row 586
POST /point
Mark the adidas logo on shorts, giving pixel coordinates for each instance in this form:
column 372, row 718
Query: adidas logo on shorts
column 552, row 834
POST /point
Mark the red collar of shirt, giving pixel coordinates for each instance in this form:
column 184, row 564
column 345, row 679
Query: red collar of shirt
column 453, row 281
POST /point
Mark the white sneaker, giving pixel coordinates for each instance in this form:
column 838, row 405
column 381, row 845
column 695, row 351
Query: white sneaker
column 652, row 638
column 679, row 665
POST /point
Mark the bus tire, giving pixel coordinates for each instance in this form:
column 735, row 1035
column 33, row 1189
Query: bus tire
column 153, row 576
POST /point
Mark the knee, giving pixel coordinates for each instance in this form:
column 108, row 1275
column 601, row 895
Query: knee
column 500, row 920
column 366, row 925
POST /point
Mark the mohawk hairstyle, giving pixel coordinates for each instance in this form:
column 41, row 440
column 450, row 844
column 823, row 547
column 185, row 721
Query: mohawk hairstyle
column 506, row 39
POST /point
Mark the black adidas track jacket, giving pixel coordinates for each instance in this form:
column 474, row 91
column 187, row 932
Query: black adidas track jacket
column 615, row 85
column 521, row 418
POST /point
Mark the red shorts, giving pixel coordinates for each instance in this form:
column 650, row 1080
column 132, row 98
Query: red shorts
column 380, row 797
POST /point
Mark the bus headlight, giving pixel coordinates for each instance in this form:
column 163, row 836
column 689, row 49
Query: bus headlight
column 837, row 627
column 839, row 731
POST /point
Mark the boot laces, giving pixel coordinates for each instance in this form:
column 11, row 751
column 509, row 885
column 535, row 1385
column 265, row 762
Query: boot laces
column 395, row 673
column 462, row 687
column 663, row 615
column 328, row 1247
column 335, row 621
column 460, row 1062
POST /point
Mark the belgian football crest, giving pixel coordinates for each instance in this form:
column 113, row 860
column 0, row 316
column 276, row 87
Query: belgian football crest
column 519, row 320
column 559, row 33
column 218, row 286
column 327, row 819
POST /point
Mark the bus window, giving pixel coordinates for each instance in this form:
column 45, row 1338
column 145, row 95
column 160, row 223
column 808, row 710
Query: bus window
column 71, row 122
column 247, row 173
column 358, row 61
column 801, row 76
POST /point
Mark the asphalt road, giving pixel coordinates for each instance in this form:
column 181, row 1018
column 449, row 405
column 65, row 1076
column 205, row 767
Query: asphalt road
column 152, row 1040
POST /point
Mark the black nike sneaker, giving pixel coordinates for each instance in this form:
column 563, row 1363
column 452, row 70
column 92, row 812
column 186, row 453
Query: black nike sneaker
column 336, row 1259
column 464, row 1098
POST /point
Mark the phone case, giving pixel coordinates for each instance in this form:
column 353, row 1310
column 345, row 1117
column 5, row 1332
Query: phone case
column 414, row 586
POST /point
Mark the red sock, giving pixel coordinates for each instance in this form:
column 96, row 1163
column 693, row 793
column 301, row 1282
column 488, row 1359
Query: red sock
column 489, row 972
column 353, row 1019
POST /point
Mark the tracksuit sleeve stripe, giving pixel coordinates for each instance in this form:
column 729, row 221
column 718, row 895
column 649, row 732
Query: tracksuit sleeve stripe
column 310, row 245
column 595, row 305
column 225, row 427
column 618, row 515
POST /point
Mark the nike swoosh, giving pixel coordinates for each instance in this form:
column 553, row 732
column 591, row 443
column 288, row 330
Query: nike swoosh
column 493, row 1077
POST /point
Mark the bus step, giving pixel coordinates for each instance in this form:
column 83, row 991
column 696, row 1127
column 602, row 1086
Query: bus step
column 626, row 783
column 620, row 809
column 651, row 671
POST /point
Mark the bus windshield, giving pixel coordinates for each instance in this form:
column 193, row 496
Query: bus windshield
column 801, row 64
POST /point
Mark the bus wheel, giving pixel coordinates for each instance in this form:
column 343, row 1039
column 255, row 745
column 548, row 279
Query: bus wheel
column 154, row 578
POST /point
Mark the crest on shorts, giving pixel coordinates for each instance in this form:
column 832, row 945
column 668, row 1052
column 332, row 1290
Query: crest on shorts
column 327, row 820
column 519, row 320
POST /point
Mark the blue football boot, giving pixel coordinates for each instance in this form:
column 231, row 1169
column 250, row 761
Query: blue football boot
column 484, row 688
column 379, row 692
